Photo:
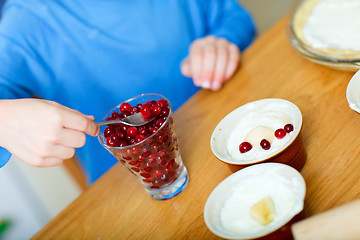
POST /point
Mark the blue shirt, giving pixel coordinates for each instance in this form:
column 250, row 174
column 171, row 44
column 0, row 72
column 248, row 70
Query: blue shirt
column 91, row 55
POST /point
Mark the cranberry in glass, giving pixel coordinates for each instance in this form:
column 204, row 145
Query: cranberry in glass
column 124, row 114
column 265, row 144
column 245, row 147
column 139, row 138
column 115, row 138
column 143, row 130
column 280, row 133
column 115, row 115
column 132, row 131
column 124, row 128
column 125, row 107
column 145, row 110
column 134, row 110
column 153, row 129
column 155, row 110
column 110, row 142
column 288, row 128
column 108, row 131
column 162, row 103
column 122, row 143
column 120, row 134
column 160, row 122
column 164, row 112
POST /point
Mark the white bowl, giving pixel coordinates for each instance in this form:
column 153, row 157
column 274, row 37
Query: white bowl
column 273, row 113
column 353, row 92
column 282, row 183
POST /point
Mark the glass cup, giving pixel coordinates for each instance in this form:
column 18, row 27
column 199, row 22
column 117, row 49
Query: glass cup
column 150, row 152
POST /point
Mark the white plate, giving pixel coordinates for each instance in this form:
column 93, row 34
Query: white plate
column 282, row 177
column 353, row 92
column 222, row 133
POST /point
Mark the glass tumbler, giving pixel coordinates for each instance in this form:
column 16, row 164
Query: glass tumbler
column 151, row 151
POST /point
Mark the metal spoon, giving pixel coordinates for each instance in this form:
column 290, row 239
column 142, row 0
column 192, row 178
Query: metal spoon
column 133, row 120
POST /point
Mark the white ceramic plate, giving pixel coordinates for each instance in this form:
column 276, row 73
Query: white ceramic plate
column 353, row 92
column 282, row 177
column 264, row 109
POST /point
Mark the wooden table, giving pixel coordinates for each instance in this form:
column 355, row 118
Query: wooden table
column 117, row 206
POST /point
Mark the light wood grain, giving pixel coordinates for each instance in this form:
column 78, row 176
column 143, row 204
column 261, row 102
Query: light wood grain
column 117, row 207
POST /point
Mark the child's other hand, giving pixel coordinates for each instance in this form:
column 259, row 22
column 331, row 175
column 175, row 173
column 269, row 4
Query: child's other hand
column 211, row 62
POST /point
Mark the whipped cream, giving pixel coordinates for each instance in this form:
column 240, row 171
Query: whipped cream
column 274, row 116
column 235, row 212
column 334, row 24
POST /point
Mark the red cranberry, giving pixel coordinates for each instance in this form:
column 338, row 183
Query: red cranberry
column 156, row 183
column 134, row 110
column 143, row 130
column 164, row 112
column 157, row 173
column 128, row 138
column 245, row 147
column 124, row 128
column 110, row 142
column 148, row 169
column 265, row 144
column 288, row 128
column 170, row 165
column 108, row 131
column 145, row 175
column 160, row 122
column 115, row 138
column 132, row 131
column 139, row 138
column 146, row 154
column 125, row 107
column 162, row 153
column 162, row 103
column 153, row 129
column 155, row 110
column 162, row 138
column 124, row 114
column 145, row 110
column 155, row 147
column 122, row 143
column 120, row 134
column 152, row 158
column 134, row 150
column 115, row 115
column 133, row 162
column 131, row 141
column 280, row 133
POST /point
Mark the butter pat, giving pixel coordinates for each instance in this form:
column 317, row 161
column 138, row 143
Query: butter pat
column 263, row 211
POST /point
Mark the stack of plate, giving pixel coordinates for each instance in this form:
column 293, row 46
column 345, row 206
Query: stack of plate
column 301, row 12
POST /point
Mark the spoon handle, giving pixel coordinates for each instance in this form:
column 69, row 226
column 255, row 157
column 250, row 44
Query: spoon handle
column 112, row 122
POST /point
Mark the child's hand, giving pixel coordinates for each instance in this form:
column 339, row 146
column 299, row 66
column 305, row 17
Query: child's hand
column 43, row 133
column 212, row 61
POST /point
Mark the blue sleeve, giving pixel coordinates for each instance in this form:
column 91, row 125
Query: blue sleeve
column 4, row 156
column 228, row 19
column 24, row 72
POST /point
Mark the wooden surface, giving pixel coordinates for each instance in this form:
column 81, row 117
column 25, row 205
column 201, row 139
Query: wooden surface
column 76, row 172
column 117, row 206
